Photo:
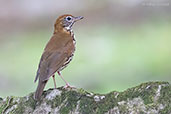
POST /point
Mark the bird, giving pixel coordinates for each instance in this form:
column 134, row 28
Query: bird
column 57, row 53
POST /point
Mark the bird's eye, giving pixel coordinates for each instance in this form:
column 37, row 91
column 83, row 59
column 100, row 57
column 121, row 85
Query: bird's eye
column 68, row 18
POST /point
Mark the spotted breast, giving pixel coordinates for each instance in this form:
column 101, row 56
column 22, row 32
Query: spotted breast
column 68, row 60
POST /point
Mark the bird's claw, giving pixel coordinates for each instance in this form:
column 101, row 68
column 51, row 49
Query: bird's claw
column 68, row 86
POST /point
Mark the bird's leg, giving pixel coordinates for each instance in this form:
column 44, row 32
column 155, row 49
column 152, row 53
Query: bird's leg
column 54, row 80
column 67, row 84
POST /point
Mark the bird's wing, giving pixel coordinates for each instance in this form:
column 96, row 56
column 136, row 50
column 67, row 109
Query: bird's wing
column 54, row 56
column 50, row 62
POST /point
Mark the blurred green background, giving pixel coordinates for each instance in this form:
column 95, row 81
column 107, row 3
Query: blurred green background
column 120, row 43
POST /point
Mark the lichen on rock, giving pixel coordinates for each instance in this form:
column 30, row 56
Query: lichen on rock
column 147, row 98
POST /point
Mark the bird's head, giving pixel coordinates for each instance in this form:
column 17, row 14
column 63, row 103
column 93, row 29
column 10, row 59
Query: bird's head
column 66, row 22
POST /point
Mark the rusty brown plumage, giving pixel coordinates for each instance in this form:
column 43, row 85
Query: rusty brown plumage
column 57, row 52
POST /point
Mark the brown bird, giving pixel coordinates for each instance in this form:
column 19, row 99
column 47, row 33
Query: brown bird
column 57, row 53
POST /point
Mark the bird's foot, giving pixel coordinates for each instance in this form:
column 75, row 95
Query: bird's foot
column 68, row 86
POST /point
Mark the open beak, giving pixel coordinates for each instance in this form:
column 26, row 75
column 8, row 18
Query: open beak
column 78, row 18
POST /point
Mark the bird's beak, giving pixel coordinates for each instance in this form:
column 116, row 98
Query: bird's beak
column 78, row 18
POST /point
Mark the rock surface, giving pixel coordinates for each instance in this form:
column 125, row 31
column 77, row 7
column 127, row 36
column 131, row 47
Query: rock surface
column 147, row 98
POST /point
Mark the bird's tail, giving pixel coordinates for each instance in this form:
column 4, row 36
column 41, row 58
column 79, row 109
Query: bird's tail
column 39, row 90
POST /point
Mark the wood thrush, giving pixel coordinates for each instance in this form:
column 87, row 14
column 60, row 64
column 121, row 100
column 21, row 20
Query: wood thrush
column 57, row 53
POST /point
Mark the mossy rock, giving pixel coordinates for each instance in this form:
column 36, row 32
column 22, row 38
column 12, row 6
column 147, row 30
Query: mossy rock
column 147, row 98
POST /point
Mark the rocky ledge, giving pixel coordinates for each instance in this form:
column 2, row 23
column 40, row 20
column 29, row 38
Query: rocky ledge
column 147, row 98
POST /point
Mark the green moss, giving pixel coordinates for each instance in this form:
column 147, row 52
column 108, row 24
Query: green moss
column 25, row 102
column 64, row 110
column 55, row 102
column 5, row 105
column 69, row 99
column 147, row 95
column 166, row 110
column 19, row 110
column 87, row 105
column 29, row 103
column 82, row 91
column 123, row 109
column 143, row 91
column 165, row 98
column 107, row 103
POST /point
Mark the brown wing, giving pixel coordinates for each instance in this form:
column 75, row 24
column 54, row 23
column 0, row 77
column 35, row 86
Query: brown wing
column 50, row 63
column 53, row 57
